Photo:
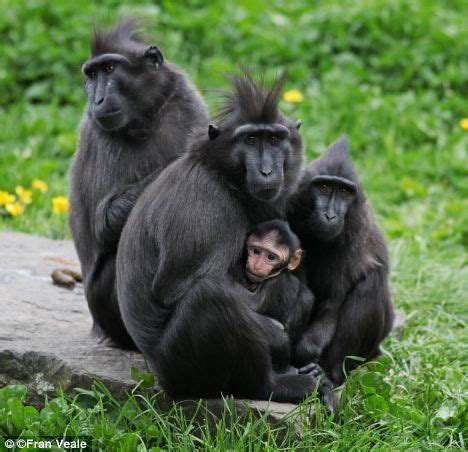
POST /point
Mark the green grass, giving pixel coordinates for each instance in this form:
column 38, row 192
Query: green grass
column 393, row 76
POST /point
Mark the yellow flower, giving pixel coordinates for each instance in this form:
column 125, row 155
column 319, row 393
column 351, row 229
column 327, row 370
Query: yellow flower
column 60, row 204
column 464, row 123
column 23, row 194
column 6, row 198
column 293, row 96
column 40, row 185
column 14, row 209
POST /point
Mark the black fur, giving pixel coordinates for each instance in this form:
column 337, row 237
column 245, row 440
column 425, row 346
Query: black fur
column 346, row 262
column 284, row 237
column 284, row 297
column 181, row 253
column 153, row 108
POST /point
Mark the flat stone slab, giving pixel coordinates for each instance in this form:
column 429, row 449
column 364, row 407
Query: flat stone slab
column 45, row 330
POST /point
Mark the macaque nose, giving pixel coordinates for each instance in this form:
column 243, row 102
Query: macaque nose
column 266, row 171
column 329, row 217
column 99, row 100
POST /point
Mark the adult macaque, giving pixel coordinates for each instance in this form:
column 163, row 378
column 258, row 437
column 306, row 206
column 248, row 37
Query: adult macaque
column 347, row 265
column 140, row 114
column 181, row 256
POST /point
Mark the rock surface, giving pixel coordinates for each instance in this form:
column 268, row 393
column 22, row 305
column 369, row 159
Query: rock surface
column 45, row 330
column 45, row 337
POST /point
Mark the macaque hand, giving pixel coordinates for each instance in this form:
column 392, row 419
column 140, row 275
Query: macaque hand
column 306, row 352
column 325, row 385
column 277, row 323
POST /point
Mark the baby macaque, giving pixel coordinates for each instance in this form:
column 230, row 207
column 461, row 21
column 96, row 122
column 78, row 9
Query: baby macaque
column 273, row 253
column 271, row 248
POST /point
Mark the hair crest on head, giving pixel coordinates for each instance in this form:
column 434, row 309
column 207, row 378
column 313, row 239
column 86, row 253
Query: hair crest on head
column 251, row 101
column 123, row 36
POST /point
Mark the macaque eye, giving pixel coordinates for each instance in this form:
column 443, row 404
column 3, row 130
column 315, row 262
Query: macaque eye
column 91, row 73
column 108, row 68
column 251, row 139
column 344, row 192
column 256, row 251
column 274, row 139
column 271, row 257
column 324, row 188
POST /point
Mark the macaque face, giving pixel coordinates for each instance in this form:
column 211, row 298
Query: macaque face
column 265, row 256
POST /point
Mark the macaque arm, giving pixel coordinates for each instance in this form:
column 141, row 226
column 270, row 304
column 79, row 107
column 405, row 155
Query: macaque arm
column 113, row 210
column 277, row 338
column 319, row 333
column 299, row 312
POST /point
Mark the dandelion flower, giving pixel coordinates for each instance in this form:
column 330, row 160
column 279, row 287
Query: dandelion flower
column 464, row 123
column 293, row 96
column 6, row 198
column 60, row 204
column 14, row 209
column 40, row 185
column 23, row 194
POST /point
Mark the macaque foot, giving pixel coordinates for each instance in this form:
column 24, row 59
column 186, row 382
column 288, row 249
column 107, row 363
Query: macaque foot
column 65, row 277
column 325, row 388
column 291, row 371
column 312, row 368
column 330, row 400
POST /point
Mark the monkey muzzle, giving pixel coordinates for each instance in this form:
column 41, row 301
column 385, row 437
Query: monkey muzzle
column 258, row 279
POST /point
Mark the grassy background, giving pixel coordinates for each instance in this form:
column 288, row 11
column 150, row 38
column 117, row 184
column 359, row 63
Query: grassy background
column 393, row 75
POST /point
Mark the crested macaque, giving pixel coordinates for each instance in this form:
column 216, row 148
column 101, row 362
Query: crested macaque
column 273, row 253
column 271, row 248
column 180, row 260
column 347, row 265
column 140, row 115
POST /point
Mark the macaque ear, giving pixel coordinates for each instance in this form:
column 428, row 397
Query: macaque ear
column 295, row 260
column 154, row 56
column 213, row 132
column 298, row 124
